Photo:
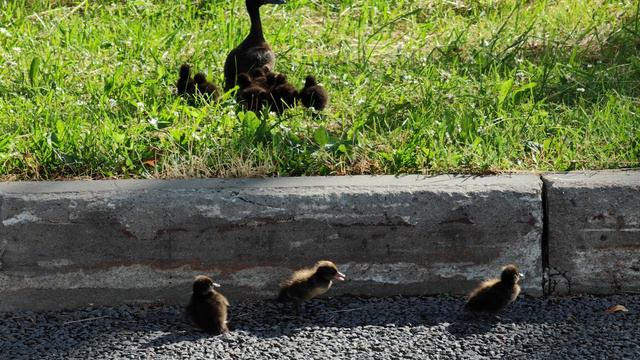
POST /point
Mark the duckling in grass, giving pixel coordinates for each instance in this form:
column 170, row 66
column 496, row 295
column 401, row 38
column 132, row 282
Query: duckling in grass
column 494, row 295
column 313, row 95
column 207, row 307
column 185, row 84
column 207, row 89
column 283, row 94
column 259, row 76
column 305, row 284
column 253, row 51
column 251, row 95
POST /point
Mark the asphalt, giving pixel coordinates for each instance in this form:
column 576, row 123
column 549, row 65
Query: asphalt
column 338, row 328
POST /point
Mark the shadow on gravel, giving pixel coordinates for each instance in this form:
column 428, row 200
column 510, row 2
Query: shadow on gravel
column 151, row 329
column 269, row 319
column 466, row 325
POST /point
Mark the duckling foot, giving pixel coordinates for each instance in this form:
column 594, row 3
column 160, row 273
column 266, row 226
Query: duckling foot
column 502, row 318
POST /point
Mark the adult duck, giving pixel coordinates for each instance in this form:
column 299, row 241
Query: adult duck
column 253, row 51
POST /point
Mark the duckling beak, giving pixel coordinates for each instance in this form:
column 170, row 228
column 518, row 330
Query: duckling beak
column 277, row 2
column 339, row 276
column 215, row 285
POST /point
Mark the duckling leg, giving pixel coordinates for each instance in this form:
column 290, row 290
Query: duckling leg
column 298, row 309
column 292, row 310
column 502, row 318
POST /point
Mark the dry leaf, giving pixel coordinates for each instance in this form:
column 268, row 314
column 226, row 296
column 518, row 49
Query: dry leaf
column 616, row 309
column 150, row 162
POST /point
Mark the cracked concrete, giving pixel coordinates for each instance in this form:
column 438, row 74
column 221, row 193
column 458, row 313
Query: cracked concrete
column 407, row 235
column 68, row 244
column 3, row 249
column 593, row 224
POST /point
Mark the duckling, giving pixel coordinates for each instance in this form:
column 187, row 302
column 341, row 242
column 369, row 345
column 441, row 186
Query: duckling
column 305, row 284
column 283, row 94
column 494, row 295
column 207, row 89
column 251, row 95
column 253, row 51
column 313, row 95
column 244, row 81
column 207, row 307
column 185, row 84
column 259, row 76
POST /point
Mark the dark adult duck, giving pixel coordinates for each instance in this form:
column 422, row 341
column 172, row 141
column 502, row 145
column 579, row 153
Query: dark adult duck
column 253, row 51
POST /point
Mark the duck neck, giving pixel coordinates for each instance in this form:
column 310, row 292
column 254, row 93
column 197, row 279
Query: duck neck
column 256, row 24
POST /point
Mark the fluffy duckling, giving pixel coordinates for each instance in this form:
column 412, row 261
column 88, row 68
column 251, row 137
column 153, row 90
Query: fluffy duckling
column 283, row 94
column 494, row 295
column 207, row 307
column 305, row 284
column 259, row 76
column 206, row 88
column 185, row 84
column 313, row 95
column 251, row 95
column 253, row 51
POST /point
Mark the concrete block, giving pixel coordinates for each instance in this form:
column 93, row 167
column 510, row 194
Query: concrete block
column 593, row 232
column 68, row 244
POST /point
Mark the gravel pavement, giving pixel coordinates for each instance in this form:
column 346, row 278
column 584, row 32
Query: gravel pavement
column 338, row 328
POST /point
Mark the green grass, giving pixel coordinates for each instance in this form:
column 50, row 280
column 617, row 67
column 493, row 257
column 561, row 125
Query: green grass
column 477, row 86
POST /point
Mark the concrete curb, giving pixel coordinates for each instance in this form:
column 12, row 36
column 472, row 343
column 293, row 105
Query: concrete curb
column 593, row 232
column 69, row 244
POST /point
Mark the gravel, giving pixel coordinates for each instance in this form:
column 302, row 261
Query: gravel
column 340, row 328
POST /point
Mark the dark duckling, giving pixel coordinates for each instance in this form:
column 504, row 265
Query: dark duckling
column 185, row 84
column 259, row 76
column 313, row 95
column 207, row 89
column 253, row 96
column 494, row 295
column 283, row 94
column 207, row 307
column 305, row 284
column 253, row 51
